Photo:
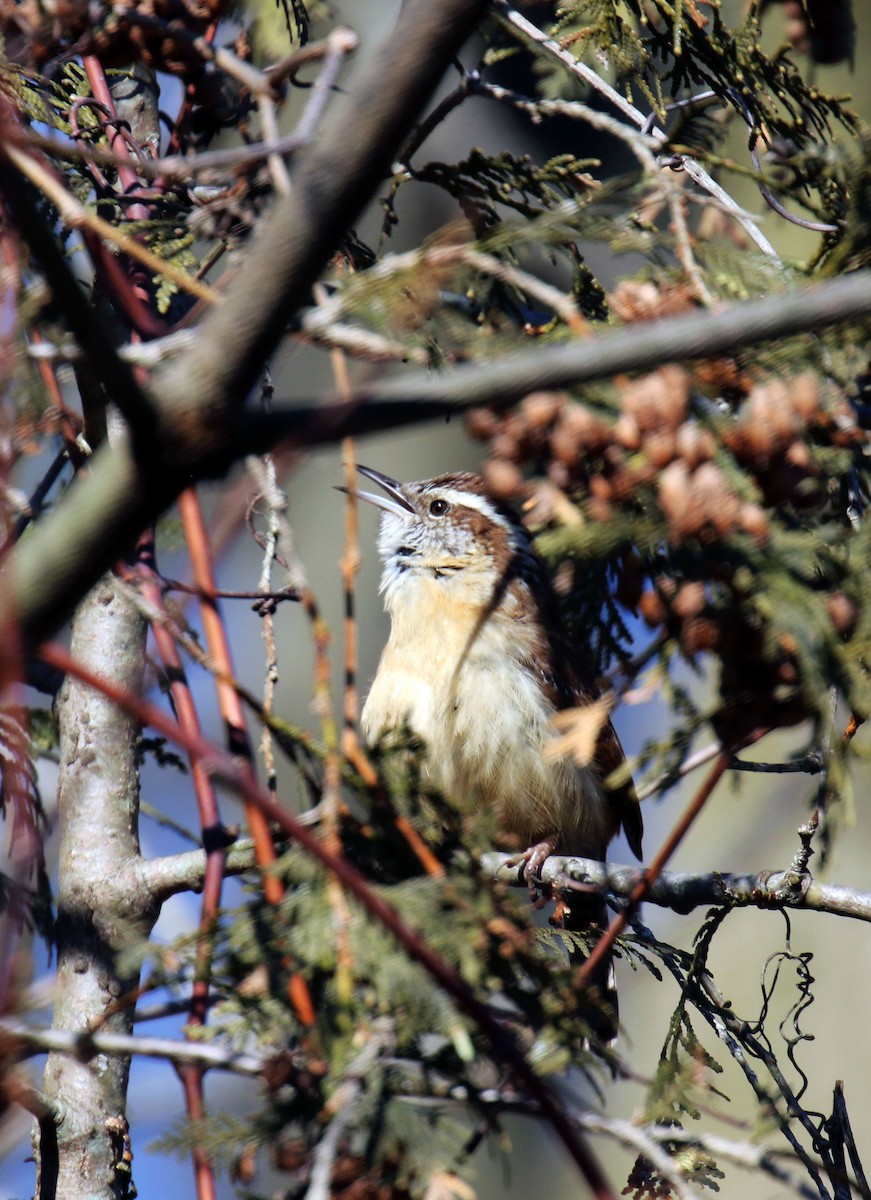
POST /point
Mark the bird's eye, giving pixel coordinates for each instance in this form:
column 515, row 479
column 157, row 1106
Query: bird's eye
column 438, row 508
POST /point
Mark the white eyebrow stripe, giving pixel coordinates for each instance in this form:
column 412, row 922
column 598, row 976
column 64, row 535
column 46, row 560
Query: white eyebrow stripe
column 473, row 500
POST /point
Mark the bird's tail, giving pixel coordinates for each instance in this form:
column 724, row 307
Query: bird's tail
column 587, row 915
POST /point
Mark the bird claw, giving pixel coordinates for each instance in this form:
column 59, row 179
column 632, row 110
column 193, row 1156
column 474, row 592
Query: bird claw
column 533, row 860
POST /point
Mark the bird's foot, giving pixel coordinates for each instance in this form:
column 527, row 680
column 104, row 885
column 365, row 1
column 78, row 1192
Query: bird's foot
column 534, row 859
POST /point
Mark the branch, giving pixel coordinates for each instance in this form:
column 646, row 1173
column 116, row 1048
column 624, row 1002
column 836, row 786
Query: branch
column 650, row 1140
column 84, row 1046
column 341, row 1108
column 646, row 1137
column 75, row 216
column 683, row 891
column 333, row 180
column 595, row 81
column 410, row 398
column 173, row 873
column 121, row 495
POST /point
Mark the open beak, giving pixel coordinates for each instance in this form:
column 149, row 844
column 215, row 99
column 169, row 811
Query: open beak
column 394, row 502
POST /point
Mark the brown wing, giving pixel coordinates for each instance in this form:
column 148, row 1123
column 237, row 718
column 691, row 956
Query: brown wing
column 570, row 685
column 558, row 665
column 610, row 756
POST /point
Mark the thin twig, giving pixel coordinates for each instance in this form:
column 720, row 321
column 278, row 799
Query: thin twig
column 641, row 144
column 342, row 1106
column 75, row 216
column 218, row 645
column 322, row 318
column 669, row 778
column 174, row 167
column 267, row 616
column 340, row 43
column 579, row 68
column 684, row 245
column 602, row 949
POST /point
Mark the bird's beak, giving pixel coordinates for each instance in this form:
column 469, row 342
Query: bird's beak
column 394, row 502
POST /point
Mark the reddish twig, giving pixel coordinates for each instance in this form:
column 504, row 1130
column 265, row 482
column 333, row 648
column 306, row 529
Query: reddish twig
column 24, row 857
column 128, row 291
column 602, row 948
column 215, row 838
column 853, row 725
column 175, row 585
column 218, row 646
column 239, row 775
column 118, row 143
column 69, row 422
column 234, row 717
column 191, row 1076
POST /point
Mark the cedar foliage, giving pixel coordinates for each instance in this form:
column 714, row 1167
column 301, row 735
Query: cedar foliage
column 721, row 501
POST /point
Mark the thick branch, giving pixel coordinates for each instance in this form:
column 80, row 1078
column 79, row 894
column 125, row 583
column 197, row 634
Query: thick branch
column 683, row 891
column 332, row 182
column 100, row 913
column 414, row 397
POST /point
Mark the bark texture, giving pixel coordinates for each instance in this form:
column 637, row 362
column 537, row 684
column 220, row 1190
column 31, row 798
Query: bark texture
column 101, row 912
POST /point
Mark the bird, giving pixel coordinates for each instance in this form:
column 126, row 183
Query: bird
column 477, row 663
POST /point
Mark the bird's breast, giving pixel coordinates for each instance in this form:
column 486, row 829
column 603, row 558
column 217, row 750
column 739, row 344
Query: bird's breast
column 468, row 688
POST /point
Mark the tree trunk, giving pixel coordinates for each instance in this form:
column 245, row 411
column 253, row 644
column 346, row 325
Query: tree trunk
column 101, row 914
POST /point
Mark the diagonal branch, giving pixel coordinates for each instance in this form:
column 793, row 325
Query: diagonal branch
column 333, row 180
column 639, row 893
column 414, row 397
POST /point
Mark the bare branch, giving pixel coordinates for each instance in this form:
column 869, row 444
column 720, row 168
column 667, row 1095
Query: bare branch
column 333, row 180
column 412, row 399
column 683, row 161
column 342, row 1107
column 745, row 1154
column 76, row 216
column 683, row 891
column 185, row 872
column 84, row 1046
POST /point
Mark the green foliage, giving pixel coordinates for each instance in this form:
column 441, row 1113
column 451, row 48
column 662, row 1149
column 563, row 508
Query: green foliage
column 422, row 1052
column 482, row 183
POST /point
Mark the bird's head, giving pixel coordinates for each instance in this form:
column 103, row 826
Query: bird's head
column 446, row 530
